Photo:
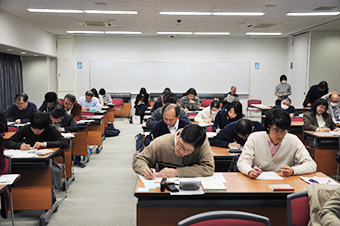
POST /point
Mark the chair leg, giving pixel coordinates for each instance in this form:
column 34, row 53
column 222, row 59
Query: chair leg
column 337, row 173
column 11, row 200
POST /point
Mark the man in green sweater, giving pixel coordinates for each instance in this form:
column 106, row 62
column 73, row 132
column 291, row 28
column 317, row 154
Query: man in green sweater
column 184, row 154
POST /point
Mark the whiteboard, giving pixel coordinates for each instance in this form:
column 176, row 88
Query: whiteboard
column 205, row 77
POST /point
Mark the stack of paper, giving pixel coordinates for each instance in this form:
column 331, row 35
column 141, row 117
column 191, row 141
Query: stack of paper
column 20, row 153
column 213, row 186
column 270, row 175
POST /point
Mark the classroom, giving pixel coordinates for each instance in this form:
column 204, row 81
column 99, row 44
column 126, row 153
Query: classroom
column 306, row 51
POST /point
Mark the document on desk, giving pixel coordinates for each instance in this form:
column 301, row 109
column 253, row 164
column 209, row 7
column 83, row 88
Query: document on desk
column 205, row 124
column 16, row 153
column 269, row 176
column 328, row 134
column 8, row 178
column 319, row 180
column 67, row 135
column 85, row 121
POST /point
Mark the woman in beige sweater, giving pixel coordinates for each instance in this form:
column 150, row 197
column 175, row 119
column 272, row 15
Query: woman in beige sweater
column 275, row 150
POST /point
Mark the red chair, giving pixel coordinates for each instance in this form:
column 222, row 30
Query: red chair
column 206, row 102
column 118, row 106
column 7, row 170
column 223, row 218
column 297, row 119
column 209, row 129
column 61, row 101
column 12, row 129
column 252, row 109
column 298, row 209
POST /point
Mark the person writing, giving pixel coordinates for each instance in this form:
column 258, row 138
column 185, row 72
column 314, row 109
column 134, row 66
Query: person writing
column 208, row 114
column 72, row 107
column 89, row 102
column 230, row 97
column 275, row 150
column 184, row 154
column 190, row 101
column 226, row 116
column 315, row 92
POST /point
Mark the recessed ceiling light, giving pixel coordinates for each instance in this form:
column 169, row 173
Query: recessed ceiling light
column 85, row 32
column 211, row 33
column 124, row 32
column 237, row 14
column 110, row 12
column 23, row 52
column 262, row 33
column 35, row 55
column 314, row 14
column 9, row 50
column 174, row 33
column 186, row 13
column 54, row 11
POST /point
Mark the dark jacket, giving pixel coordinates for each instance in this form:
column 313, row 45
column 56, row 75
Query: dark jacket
column 23, row 115
column 157, row 115
column 313, row 94
column 4, row 195
column 77, row 112
column 227, row 135
column 45, row 107
column 145, row 99
column 50, row 135
column 222, row 119
column 290, row 110
column 3, row 123
column 156, row 105
column 226, row 103
column 161, row 128
column 311, row 123
column 67, row 123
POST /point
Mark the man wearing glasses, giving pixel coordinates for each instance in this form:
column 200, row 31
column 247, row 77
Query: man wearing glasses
column 72, row 108
column 184, row 154
column 275, row 150
column 21, row 110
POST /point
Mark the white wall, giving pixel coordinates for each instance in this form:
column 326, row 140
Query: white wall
column 271, row 53
column 19, row 33
column 325, row 58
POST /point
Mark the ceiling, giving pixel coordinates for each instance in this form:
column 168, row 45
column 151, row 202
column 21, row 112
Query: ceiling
column 149, row 21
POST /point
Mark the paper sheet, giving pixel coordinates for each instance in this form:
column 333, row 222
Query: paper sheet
column 8, row 178
column 269, row 176
column 67, row 135
column 21, row 154
column 330, row 181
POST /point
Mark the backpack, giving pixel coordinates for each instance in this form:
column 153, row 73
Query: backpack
column 139, row 142
column 110, row 131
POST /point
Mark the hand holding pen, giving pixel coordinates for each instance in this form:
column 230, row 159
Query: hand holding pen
column 24, row 146
column 255, row 172
column 149, row 173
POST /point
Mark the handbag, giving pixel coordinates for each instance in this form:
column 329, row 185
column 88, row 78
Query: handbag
column 140, row 109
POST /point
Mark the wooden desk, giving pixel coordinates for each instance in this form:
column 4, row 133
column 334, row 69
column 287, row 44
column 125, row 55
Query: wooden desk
column 324, row 152
column 296, row 127
column 95, row 131
column 105, row 120
column 222, row 158
column 243, row 194
column 81, row 144
column 110, row 112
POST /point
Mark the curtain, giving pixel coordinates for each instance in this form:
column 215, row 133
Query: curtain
column 10, row 79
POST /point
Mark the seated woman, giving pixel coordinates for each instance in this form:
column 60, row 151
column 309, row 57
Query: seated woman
column 318, row 119
column 275, row 150
column 226, row 116
column 190, row 101
column 208, row 114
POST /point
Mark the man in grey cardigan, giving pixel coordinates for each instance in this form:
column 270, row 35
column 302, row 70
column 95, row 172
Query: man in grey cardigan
column 184, row 154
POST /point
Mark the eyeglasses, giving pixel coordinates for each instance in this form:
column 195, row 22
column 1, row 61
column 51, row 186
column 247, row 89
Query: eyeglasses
column 20, row 104
column 67, row 104
column 282, row 132
column 182, row 148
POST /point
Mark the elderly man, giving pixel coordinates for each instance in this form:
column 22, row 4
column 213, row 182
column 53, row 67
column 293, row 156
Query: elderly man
column 170, row 123
column 334, row 106
column 21, row 110
column 184, row 154
column 230, row 97
column 72, row 108
column 89, row 102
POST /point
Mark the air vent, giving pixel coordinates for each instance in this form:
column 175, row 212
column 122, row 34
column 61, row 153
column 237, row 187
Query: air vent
column 325, row 8
column 96, row 24
column 262, row 25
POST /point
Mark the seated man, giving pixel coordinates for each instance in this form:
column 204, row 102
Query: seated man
column 72, row 107
column 168, row 98
column 329, row 214
column 184, row 154
column 22, row 110
column 275, row 150
column 159, row 102
column 169, row 124
column 236, row 133
column 63, row 121
column 230, row 97
column 285, row 105
column 334, row 106
column 106, row 97
column 89, row 102
column 3, row 123
column 51, row 101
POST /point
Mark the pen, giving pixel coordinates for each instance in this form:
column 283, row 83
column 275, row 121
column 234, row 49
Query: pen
column 150, row 168
column 257, row 170
column 152, row 136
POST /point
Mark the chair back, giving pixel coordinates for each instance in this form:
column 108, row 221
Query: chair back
column 117, row 101
column 8, row 165
column 250, row 102
column 192, row 114
column 298, row 209
column 297, row 119
column 222, row 218
column 209, row 129
column 61, row 101
column 206, row 102
column 87, row 113
column 12, row 129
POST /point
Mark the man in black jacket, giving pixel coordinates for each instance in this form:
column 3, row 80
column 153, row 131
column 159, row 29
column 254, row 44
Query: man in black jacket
column 315, row 92
column 63, row 121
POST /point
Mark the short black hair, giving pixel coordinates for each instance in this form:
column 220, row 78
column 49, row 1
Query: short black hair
column 39, row 120
column 243, row 127
column 51, row 97
column 21, row 95
column 171, row 105
column 323, row 85
column 215, row 104
column 193, row 134
column 191, row 91
column 166, row 90
column 237, row 109
column 57, row 113
column 95, row 93
column 102, row 91
column 89, row 93
column 278, row 117
column 70, row 97
column 316, row 104
column 170, row 98
column 283, row 77
column 232, row 87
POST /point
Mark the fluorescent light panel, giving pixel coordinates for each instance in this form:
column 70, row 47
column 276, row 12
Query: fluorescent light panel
column 261, row 33
column 174, row 33
column 314, row 14
column 212, row 13
column 85, row 32
column 211, row 33
column 124, row 32
column 237, row 14
column 54, row 11
column 110, row 12
column 186, row 13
